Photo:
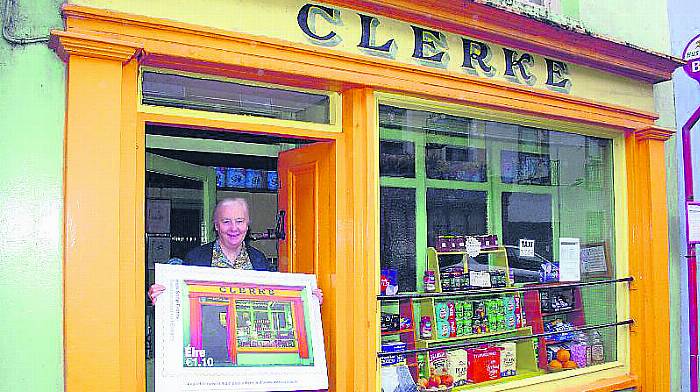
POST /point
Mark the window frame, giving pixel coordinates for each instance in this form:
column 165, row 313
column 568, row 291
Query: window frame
column 619, row 246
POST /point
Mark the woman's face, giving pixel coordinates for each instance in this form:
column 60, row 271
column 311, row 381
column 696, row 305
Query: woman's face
column 231, row 223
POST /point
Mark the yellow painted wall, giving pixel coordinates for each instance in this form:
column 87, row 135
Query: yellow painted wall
column 278, row 19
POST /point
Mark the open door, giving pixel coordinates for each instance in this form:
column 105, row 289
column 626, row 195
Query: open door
column 306, row 177
column 205, row 175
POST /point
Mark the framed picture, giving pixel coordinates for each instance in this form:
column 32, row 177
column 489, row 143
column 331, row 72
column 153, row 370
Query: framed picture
column 595, row 260
column 158, row 216
column 237, row 330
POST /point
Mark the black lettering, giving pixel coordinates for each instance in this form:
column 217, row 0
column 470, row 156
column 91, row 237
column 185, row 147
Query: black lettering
column 479, row 52
column 521, row 63
column 434, row 40
column 367, row 39
column 307, row 11
column 557, row 70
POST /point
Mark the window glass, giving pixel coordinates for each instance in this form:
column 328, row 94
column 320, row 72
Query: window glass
column 398, row 234
column 189, row 92
column 537, row 204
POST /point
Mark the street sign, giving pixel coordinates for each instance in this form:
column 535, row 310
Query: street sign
column 691, row 54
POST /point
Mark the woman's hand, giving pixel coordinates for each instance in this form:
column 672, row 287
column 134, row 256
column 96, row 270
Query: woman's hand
column 155, row 291
column 316, row 293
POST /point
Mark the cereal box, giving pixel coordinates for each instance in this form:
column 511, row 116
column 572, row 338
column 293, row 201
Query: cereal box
column 508, row 359
column 457, row 366
column 438, row 361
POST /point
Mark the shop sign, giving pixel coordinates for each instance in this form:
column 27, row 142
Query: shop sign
column 235, row 330
column 323, row 25
column 691, row 54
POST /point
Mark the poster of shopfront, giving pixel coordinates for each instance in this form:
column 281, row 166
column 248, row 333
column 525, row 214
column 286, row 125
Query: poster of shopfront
column 232, row 330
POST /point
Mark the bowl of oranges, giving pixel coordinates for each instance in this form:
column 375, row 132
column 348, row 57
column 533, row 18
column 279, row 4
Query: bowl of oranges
column 562, row 362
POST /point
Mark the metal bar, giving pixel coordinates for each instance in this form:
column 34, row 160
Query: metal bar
column 502, row 340
column 481, row 291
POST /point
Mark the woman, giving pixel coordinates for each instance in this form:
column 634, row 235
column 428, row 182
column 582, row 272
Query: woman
column 229, row 250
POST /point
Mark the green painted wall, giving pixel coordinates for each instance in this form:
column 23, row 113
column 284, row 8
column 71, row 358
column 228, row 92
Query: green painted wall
column 643, row 22
column 32, row 96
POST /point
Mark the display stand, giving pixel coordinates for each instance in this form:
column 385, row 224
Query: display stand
column 536, row 318
column 404, row 308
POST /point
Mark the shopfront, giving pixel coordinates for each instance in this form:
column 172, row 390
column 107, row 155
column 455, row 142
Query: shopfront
column 509, row 183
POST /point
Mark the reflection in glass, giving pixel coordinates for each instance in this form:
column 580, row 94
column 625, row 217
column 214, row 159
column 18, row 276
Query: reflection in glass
column 397, row 236
column 445, row 162
column 397, row 159
column 455, row 212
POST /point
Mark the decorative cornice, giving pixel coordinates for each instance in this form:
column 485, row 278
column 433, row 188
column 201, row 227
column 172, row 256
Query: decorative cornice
column 69, row 43
column 654, row 133
column 510, row 29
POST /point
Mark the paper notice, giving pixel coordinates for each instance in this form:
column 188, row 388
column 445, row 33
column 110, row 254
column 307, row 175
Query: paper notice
column 694, row 223
column 527, row 248
column 569, row 260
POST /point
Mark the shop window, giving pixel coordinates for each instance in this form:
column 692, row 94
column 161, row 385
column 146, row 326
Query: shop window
column 398, row 234
column 234, row 97
column 497, row 235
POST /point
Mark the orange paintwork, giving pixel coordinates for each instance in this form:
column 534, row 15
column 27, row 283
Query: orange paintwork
column 648, row 244
column 104, row 188
column 307, row 194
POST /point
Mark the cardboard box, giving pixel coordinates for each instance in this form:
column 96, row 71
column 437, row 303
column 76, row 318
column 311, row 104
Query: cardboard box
column 438, row 361
column 508, row 359
column 484, row 364
column 393, row 360
column 457, row 366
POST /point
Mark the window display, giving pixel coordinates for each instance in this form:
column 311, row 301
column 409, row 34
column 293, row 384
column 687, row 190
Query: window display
column 483, row 249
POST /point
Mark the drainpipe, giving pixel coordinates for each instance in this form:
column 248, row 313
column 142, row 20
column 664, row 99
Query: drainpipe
column 690, row 255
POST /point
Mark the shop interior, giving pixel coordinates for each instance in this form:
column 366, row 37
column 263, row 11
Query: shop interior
column 180, row 163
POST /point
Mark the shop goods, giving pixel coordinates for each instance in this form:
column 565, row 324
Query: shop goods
column 508, row 359
column 597, row 349
column 484, row 364
column 457, row 366
column 429, row 281
column 581, row 350
column 426, row 328
column 390, row 322
column 393, row 360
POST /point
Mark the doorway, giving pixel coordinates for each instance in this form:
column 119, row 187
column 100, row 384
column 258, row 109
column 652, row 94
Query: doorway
column 285, row 181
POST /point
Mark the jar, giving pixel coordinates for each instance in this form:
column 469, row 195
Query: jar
column 426, row 328
column 429, row 281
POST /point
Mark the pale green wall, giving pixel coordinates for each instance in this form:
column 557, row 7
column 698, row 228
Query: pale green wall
column 32, row 97
column 639, row 22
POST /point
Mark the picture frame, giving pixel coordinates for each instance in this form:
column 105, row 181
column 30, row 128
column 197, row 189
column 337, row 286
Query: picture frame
column 595, row 260
column 158, row 216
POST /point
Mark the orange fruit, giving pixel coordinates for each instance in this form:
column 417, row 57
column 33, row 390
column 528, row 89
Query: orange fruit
column 563, row 356
column 570, row 365
column 554, row 364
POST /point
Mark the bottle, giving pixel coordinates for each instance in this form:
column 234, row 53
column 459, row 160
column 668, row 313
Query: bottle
column 429, row 281
column 597, row 349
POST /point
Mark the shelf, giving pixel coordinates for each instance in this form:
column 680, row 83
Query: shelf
column 425, row 343
column 557, row 312
column 389, row 333
column 548, row 342
column 493, row 250
column 245, row 190
column 518, row 376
